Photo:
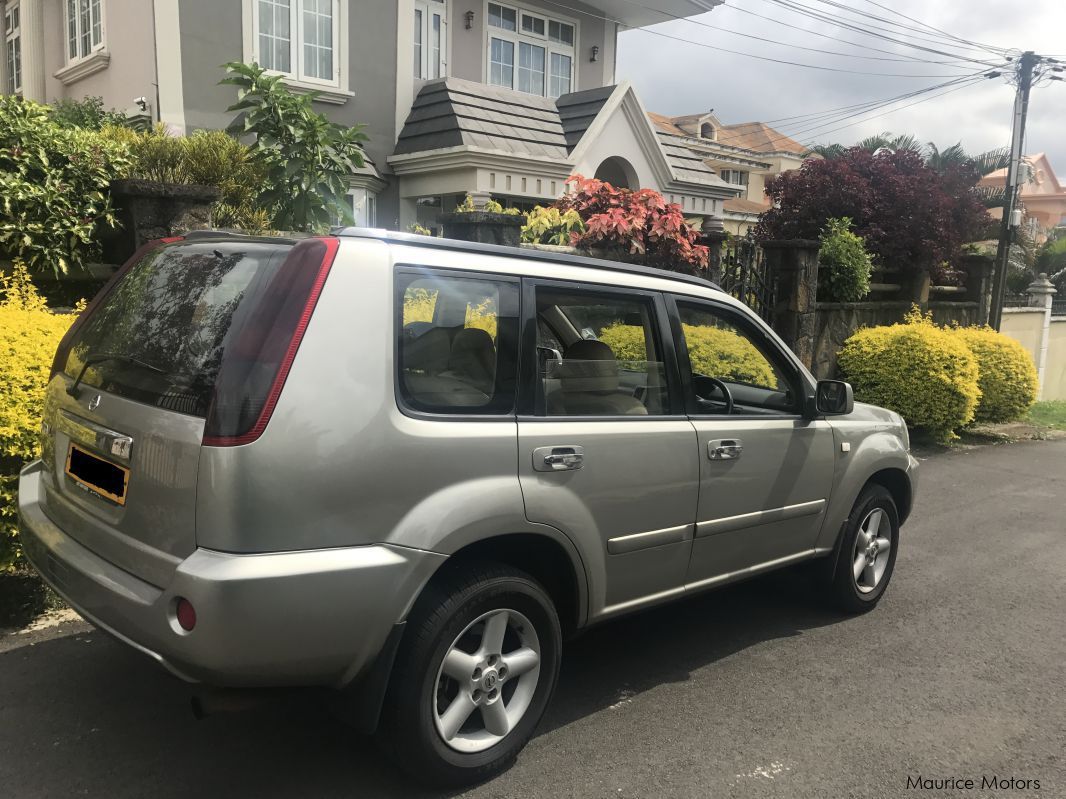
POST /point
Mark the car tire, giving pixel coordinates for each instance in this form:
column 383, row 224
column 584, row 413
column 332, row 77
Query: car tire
column 866, row 557
column 454, row 663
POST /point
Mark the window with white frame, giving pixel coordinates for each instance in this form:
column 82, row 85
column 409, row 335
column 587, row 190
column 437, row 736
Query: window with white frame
column 431, row 39
column 13, row 48
column 298, row 38
column 529, row 51
column 362, row 205
column 85, row 28
column 734, row 176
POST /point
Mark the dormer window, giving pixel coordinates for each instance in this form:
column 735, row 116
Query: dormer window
column 707, row 131
column 529, row 51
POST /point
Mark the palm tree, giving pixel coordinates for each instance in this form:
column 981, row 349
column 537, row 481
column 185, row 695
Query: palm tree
column 887, row 141
column 941, row 160
column 827, row 151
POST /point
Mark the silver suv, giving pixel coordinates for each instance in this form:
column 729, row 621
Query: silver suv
column 407, row 469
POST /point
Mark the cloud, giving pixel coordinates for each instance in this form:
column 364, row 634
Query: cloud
column 676, row 78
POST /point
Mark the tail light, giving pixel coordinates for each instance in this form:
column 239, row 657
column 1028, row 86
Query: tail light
column 257, row 362
column 63, row 352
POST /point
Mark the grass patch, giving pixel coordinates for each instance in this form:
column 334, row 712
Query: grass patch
column 1050, row 414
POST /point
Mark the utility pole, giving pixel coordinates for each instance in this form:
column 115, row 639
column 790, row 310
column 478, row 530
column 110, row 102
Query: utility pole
column 1028, row 60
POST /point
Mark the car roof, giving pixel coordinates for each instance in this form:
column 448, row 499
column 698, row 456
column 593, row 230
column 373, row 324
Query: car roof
column 526, row 253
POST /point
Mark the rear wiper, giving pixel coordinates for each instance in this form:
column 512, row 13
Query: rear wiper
column 73, row 390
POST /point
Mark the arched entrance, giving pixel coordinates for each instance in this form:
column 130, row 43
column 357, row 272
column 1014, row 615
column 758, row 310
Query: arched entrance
column 618, row 172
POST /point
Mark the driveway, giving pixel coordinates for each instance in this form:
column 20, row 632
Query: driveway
column 751, row 691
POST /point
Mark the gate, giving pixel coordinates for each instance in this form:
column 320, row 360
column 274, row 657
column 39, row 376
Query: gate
column 746, row 276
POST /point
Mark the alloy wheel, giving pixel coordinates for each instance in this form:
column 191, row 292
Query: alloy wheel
column 487, row 681
column 873, row 547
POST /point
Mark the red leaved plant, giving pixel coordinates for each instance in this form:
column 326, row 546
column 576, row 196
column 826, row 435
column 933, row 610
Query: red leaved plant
column 636, row 225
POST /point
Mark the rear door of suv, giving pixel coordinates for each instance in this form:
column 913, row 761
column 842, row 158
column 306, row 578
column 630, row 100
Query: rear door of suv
column 605, row 452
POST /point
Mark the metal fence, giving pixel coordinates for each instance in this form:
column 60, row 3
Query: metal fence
column 746, row 276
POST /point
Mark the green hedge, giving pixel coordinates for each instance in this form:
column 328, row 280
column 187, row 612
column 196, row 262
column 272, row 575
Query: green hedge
column 1007, row 376
column 713, row 352
column 925, row 373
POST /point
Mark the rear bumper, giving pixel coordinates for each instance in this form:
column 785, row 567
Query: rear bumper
column 316, row 617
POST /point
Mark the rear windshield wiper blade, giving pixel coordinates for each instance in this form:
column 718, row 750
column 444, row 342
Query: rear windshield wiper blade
column 73, row 390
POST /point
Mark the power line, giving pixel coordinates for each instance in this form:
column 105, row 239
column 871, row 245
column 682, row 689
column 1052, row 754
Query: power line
column 943, row 39
column 932, row 27
column 807, row 11
column 964, row 85
column 811, row 130
column 672, row 17
column 826, row 35
column 718, row 49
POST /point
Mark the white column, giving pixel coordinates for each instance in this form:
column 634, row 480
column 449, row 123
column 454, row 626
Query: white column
column 3, row 55
column 33, row 68
column 1040, row 293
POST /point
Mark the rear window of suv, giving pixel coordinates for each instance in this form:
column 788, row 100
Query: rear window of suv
column 168, row 321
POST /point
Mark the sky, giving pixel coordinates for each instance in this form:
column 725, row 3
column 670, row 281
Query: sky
column 674, row 78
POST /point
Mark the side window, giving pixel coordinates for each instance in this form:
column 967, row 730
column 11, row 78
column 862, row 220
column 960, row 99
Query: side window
column 598, row 355
column 721, row 353
column 458, row 343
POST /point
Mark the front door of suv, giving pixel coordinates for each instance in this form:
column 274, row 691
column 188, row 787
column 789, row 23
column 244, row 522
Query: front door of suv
column 765, row 470
column 605, row 452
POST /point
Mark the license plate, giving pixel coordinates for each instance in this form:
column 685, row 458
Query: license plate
column 106, row 479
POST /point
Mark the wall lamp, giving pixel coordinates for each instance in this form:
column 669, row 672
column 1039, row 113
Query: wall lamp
column 595, row 53
column 469, row 17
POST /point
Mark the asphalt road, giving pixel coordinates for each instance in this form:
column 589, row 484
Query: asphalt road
column 751, row 691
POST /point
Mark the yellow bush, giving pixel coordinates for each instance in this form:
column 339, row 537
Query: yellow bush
column 713, row 352
column 1007, row 376
column 29, row 336
column 923, row 372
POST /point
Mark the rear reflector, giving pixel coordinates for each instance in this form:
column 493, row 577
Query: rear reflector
column 186, row 614
column 256, row 364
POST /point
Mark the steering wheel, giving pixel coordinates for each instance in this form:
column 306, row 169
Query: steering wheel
column 718, row 384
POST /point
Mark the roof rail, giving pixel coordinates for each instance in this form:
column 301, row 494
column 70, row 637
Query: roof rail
column 527, row 253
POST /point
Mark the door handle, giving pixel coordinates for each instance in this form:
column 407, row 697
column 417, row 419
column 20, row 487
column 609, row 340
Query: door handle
column 558, row 459
column 725, row 449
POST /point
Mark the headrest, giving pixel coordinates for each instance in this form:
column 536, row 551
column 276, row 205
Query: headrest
column 473, row 354
column 587, row 365
column 429, row 352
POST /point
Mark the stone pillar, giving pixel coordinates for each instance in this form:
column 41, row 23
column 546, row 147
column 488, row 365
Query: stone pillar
column 918, row 284
column 1041, row 291
column 480, row 199
column 978, row 269
column 713, row 235
column 794, row 266
column 31, row 15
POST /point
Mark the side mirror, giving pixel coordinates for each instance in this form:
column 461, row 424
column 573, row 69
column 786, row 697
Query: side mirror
column 834, row 398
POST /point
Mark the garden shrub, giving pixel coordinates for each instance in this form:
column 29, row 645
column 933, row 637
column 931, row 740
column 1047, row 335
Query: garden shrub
column 491, row 207
column 206, row 157
column 53, row 187
column 88, row 113
column 712, row 352
column 1006, row 374
column 307, row 160
column 844, row 265
column 923, row 372
column 637, row 226
column 29, row 336
column 552, row 226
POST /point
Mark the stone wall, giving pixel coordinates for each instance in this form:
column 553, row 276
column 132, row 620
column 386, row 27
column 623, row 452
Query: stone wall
column 836, row 321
